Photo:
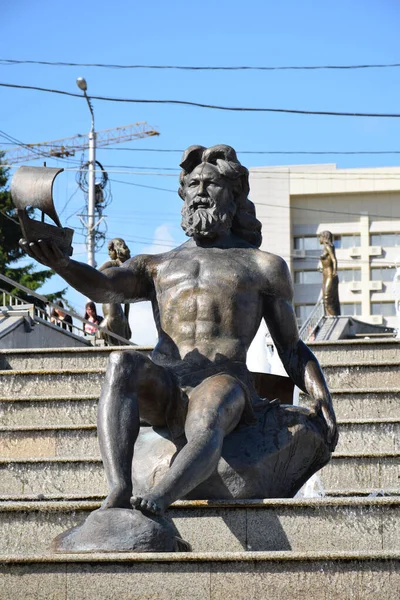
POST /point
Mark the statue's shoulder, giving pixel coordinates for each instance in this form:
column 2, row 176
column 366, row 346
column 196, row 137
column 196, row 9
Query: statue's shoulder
column 272, row 263
column 149, row 262
column 276, row 274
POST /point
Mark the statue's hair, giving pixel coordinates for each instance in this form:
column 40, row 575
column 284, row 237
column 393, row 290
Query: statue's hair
column 120, row 247
column 245, row 223
column 327, row 237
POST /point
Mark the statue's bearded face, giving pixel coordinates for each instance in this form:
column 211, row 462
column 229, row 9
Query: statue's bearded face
column 209, row 203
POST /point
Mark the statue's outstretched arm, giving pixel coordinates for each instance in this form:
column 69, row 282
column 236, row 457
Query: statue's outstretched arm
column 130, row 283
column 300, row 363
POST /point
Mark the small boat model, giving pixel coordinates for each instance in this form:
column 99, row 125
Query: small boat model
column 32, row 187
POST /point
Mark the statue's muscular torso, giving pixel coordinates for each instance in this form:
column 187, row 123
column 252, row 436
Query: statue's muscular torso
column 208, row 302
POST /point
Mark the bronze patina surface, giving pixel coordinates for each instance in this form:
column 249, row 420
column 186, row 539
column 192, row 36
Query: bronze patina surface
column 212, row 435
column 116, row 318
column 33, row 187
column 330, row 279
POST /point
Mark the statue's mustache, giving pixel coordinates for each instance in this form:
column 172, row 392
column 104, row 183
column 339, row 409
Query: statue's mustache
column 200, row 203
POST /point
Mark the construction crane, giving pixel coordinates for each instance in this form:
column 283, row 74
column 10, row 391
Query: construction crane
column 67, row 147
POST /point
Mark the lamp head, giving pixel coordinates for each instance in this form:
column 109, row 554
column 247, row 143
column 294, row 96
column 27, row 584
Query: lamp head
column 81, row 83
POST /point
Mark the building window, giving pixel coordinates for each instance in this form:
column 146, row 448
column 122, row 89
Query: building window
column 308, row 277
column 387, row 240
column 347, row 241
column 303, row 311
column 386, row 309
column 350, row 309
column 309, row 244
column 348, row 275
column 382, row 273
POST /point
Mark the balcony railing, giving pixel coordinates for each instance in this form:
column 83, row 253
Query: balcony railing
column 40, row 314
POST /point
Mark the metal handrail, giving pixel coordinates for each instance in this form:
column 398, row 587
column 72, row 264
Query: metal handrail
column 12, row 301
column 56, row 306
column 312, row 321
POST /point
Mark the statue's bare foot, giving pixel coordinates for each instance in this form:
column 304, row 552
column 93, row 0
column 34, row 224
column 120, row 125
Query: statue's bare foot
column 117, row 498
column 146, row 505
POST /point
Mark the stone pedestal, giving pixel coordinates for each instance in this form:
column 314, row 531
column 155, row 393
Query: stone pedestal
column 121, row 530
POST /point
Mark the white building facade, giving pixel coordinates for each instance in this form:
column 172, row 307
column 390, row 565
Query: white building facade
column 361, row 207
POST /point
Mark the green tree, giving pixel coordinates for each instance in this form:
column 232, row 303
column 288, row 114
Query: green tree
column 10, row 251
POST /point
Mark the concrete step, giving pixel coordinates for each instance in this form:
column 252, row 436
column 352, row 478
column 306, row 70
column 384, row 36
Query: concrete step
column 367, row 375
column 356, row 575
column 27, row 442
column 347, row 352
column 323, row 524
column 55, row 383
column 356, row 435
column 17, row 411
column 372, row 435
column 362, row 403
column 83, row 477
column 88, row 381
column 60, row 358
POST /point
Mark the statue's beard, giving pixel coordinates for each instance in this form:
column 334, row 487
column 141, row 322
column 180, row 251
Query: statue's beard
column 206, row 222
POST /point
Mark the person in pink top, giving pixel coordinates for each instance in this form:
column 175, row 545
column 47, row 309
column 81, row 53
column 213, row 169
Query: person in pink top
column 92, row 316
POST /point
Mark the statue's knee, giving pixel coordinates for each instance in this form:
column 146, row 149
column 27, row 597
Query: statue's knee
column 121, row 362
column 117, row 359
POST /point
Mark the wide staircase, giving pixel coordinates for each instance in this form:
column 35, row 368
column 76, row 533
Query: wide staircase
column 344, row 545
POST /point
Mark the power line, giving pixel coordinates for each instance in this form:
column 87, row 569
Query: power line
column 268, row 173
column 322, row 210
column 203, row 105
column 141, row 167
column 263, row 152
column 318, row 210
column 199, row 68
column 279, row 175
column 266, row 152
column 150, row 187
column 40, row 153
column 346, row 174
column 19, row 143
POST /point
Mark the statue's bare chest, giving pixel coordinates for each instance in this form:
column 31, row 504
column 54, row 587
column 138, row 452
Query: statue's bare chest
column 231, row 272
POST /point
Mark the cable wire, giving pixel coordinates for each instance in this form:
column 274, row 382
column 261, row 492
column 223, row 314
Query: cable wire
column 261, row 152
column 21, row 144
column 203, row 105
column 319, row 210
column 264, row 152
column 150, row 187
column 200, row 68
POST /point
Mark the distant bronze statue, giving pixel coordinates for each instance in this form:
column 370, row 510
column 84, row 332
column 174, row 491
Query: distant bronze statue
column 116, row 319
column 212, row 436
column 330, row 279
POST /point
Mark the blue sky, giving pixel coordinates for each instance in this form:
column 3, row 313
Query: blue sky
column 255, row 33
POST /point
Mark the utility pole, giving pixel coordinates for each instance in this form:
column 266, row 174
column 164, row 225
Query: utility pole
column 90, row 224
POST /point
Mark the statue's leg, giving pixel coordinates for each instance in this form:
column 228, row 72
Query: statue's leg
column 215, row 408
column 133, row 385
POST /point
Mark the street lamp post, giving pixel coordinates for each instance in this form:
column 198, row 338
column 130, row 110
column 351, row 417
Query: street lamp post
column 81, row 83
